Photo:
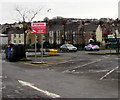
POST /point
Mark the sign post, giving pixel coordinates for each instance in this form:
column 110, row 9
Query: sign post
column 35, row 46
column 42, row 48
column 39, row 28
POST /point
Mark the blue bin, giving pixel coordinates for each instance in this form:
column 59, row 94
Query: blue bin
column 8, row 51
column 15, row 52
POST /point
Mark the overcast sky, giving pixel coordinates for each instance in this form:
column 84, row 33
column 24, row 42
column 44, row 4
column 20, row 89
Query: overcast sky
column 65, row 8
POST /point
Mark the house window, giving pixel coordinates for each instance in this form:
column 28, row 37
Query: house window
column 19, row 35
column 14, row 41
column 51, row 34
column 73, row 34
column 84, row 34
column 51, row 41
column 19, row 41
column 14, row 35
column 92, row 34
column 58, row 33
column 58, row 41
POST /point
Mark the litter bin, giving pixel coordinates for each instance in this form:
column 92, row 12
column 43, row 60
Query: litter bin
column 7, row 51
column 15, row 52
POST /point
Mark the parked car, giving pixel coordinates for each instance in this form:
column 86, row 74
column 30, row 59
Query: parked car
column 68, row 47
column 92, row 47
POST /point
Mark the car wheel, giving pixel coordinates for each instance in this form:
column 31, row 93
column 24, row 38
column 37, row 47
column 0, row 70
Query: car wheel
column 60, row 49
column 91, row 49
column 67, row 50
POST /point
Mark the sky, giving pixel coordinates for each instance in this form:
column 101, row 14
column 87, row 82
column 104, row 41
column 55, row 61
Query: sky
column 65, row 8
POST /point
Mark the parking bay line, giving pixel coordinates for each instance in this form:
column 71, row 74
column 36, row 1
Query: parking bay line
column 52, row 95
column 82, row 65
column 109, row 73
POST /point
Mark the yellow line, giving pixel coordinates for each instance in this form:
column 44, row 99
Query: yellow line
column 33, row 64
column 28, row 63
column 47, row 63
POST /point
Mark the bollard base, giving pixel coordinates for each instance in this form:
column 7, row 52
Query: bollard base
column 38, row 62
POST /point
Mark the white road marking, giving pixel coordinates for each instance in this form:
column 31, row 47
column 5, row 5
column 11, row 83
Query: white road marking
column 40, row 90
column 109, row 73
column 117, row 58
column 82, row 65
column 65, row 61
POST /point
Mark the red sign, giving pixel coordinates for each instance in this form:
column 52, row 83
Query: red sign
column 38, row 28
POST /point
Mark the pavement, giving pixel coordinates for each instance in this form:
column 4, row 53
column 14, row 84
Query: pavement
column 47, row 59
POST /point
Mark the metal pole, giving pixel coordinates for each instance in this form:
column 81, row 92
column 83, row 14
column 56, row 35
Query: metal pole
column 35, row 46
column 23, row 23
column 41, row 47
column 64, row 34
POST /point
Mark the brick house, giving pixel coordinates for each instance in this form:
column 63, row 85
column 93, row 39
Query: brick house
column 75, row 33
column 15, row 35
column 72, row 34
column 54, row 34
column 90, row 31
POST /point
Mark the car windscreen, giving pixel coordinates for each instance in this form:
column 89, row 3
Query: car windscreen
column 69, row 45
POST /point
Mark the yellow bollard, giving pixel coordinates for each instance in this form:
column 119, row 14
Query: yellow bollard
column 53, row 52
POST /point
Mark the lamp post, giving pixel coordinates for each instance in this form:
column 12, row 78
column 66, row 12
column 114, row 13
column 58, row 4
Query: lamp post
column 117, row 40
column 63, row 35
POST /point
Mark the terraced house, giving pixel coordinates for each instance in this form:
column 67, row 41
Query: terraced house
column 77, row 32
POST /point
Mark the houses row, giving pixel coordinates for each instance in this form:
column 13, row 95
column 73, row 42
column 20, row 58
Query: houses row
column 74, row 32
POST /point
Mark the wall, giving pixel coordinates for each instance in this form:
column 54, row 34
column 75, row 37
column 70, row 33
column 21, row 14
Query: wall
column 3, row 40
column 99, row 34
column 119, row 10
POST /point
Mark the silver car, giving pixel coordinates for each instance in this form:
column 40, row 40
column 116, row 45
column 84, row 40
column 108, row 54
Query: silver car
column 68, row 47
column 92, row 47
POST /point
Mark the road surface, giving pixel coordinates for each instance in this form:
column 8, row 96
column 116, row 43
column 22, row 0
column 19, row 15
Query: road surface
column 70, row 75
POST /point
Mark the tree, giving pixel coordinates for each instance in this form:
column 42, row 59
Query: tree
column 116, row 32
column 26, row 17
column 46, row 19
column 57, row 20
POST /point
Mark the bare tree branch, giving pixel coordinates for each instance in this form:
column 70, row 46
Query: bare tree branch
column 22, row 15
column 27, row 14
column 35, row 14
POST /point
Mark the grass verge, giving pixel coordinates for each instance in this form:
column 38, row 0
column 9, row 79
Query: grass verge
column 104, row 53
column 25, row 59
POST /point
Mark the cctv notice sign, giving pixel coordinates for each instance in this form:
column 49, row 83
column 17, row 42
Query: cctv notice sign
column 38, row 28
